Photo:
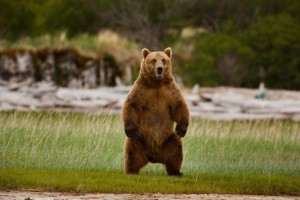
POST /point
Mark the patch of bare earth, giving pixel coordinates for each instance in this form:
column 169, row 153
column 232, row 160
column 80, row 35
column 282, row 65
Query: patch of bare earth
column 38, row 194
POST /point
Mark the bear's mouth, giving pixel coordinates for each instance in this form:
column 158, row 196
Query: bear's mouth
column 159, row 76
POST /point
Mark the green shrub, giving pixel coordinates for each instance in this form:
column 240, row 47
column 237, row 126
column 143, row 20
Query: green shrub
column 217, row 59
column 275, row 40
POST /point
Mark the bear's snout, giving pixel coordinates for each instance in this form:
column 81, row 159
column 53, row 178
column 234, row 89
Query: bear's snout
column 159, row 71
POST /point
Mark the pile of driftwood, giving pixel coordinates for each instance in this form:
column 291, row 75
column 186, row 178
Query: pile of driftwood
column 209, row 103
column 225, row 103
column 44, row 96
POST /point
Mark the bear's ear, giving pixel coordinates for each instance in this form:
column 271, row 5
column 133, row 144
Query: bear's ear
column 168, row 51
column 145, row 52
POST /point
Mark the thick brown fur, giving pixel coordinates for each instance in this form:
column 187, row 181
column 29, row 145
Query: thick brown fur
column 153, row 105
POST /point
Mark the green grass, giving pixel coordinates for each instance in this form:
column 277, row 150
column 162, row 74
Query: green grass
column 82, row 152
column 117, row 182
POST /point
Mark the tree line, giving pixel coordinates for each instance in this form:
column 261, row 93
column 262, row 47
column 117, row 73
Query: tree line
column 242, row 42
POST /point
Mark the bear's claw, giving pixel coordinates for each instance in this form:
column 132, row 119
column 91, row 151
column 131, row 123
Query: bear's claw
column 178, row 174
column 180, row 131
column 131, row 133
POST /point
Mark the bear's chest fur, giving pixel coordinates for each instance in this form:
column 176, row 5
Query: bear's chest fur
column 155, row 120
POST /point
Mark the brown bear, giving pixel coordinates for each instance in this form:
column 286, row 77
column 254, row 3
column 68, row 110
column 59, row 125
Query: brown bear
column 152, row 106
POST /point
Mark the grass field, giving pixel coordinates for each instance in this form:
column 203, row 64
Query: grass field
column 82, row 152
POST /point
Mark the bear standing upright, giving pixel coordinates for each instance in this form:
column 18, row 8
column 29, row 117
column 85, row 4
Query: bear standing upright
column 152, row 107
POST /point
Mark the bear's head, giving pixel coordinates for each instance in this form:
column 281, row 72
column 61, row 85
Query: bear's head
column 156, row 66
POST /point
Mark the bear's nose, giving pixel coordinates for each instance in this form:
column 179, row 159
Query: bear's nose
column 160, row 70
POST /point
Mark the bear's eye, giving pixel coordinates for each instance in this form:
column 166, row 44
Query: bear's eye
column 153, row 61
column 164, row 61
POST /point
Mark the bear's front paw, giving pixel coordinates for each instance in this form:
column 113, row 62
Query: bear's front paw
column 131, row 133
column 180, row 131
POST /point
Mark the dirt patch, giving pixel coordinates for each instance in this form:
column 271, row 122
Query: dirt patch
column 37, row 195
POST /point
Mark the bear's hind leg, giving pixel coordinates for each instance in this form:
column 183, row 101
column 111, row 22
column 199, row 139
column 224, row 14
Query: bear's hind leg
column 135, row 156
column 172, row 155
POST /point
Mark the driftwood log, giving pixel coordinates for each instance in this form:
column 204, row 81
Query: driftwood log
column 207, row 103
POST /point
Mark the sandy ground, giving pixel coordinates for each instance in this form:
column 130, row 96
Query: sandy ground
column 38, row 195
